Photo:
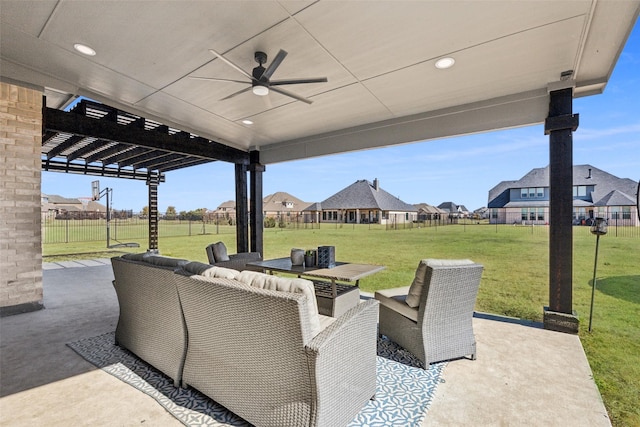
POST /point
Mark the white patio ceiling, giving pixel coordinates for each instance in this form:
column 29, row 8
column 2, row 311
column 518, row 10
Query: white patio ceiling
column 379, row 56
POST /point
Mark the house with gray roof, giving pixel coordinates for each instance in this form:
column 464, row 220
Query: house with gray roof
column 596, row 193
column 364, row 202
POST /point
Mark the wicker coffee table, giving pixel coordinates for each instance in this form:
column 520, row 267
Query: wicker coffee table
column 333, row 298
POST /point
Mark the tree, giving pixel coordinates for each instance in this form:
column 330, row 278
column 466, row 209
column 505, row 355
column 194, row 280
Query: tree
column 145, row 211
column 171, row 212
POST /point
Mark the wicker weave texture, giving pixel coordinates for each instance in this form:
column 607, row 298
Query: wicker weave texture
column 151, row 323
column 444, row 329
column 250, row 350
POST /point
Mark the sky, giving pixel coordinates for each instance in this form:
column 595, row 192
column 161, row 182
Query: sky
column 460, row 170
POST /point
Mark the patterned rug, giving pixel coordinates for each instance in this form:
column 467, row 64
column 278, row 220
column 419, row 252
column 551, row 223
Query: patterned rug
column 403, row 395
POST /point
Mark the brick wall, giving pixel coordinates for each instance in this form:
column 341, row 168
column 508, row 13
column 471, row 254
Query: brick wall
column 20, row 221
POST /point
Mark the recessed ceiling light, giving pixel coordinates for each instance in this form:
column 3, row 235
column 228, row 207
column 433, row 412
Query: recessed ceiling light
column 84, row 49
column 444, row 63
column 247, row 122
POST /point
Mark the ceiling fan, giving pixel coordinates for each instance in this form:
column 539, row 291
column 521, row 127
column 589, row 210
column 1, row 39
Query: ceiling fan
column 260, row 78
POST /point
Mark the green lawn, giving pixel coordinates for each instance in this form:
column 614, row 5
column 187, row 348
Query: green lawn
column 514, row 282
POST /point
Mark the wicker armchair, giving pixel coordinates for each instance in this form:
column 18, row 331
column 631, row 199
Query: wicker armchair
column 217, row 255
column 432, row 318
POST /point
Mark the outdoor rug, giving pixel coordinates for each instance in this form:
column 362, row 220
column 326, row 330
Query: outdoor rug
column 404, row 390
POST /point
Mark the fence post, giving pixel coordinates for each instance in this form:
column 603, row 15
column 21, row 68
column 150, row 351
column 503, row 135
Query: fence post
column 66, row 237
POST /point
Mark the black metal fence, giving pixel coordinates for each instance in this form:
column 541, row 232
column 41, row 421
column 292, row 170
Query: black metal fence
column 66, row 229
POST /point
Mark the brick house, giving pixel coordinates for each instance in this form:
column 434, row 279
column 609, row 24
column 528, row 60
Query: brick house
column 364, row 202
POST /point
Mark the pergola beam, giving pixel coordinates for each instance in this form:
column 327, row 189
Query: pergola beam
column 78, row 124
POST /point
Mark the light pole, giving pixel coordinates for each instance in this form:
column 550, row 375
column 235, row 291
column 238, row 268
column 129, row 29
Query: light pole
column 599, row 228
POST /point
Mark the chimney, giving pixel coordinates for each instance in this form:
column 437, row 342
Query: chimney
column 376, row 184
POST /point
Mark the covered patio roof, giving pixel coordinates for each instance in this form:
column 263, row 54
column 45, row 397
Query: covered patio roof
column 379, row 58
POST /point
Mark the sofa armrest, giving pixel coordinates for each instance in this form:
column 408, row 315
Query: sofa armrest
column 342, row 359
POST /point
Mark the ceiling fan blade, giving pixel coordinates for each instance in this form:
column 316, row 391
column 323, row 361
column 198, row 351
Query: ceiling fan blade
column 231, row 64
column 246, row 89
column 215, row 79
column 298, row 81
column 274, row 64
column 291, row 95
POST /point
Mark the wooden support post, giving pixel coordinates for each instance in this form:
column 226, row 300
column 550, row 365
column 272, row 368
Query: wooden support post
column 560, row 125
column 242, row 209
column 256, row 215
column 152, row 183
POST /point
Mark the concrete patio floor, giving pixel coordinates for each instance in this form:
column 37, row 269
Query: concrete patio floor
column 524, row 375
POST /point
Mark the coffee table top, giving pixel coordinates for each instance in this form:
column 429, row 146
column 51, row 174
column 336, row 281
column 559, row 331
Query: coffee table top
column 343, row 271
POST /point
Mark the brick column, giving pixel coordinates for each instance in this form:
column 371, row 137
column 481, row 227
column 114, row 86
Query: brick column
column 20, row 213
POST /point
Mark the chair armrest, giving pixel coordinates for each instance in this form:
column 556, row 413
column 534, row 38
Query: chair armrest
column 342, row 359
column 247, row 256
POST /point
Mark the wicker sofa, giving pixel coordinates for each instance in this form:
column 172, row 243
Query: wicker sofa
column 151, row 324
column 255, row 343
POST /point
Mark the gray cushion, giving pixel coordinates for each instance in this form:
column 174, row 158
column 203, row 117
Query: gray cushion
column 413, row 299
column 207, row 270
column 136, row 257
column 164, row 261
column 220, row 252
column 196, row 267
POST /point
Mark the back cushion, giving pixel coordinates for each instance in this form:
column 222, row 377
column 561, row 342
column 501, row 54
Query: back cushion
column 415, row 291
column 136, row 257
column 206, row 270
column 163, row 261
column 283, row 284
column 220, row 252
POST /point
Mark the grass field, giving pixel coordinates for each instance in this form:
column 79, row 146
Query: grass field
column 514, row 282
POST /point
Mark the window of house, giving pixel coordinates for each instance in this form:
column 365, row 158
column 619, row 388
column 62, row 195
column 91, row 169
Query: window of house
column 626, row 212
column 494, row 213
column 524, row 214
column 615, row 212
column 532, row 214
column 540, row 192
column 579, row 190
column 524, row 193
column 540, row 214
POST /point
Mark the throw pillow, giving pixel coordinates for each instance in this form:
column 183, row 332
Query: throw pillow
column 415, row 291
column 284, row 284
column 220, row 252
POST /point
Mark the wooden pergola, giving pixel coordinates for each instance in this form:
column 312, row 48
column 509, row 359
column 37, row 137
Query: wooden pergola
column 95, row 139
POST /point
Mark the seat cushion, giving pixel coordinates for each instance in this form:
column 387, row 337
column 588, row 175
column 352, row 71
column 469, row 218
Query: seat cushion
column 220, row 252
column 285, row 284
column 395, row 299
column 415, row 291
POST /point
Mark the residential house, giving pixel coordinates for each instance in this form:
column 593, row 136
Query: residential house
column 58, row 207
column 281, row 204
column 453, row 210
column 226, row 210
column 427, row 212
column 364, row 202
column 596, row 193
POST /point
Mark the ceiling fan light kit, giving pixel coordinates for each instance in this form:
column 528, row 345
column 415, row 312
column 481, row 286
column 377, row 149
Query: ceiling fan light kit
column 260, row 78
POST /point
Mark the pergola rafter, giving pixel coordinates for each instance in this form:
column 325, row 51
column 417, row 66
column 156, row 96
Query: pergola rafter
column 95, row 139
